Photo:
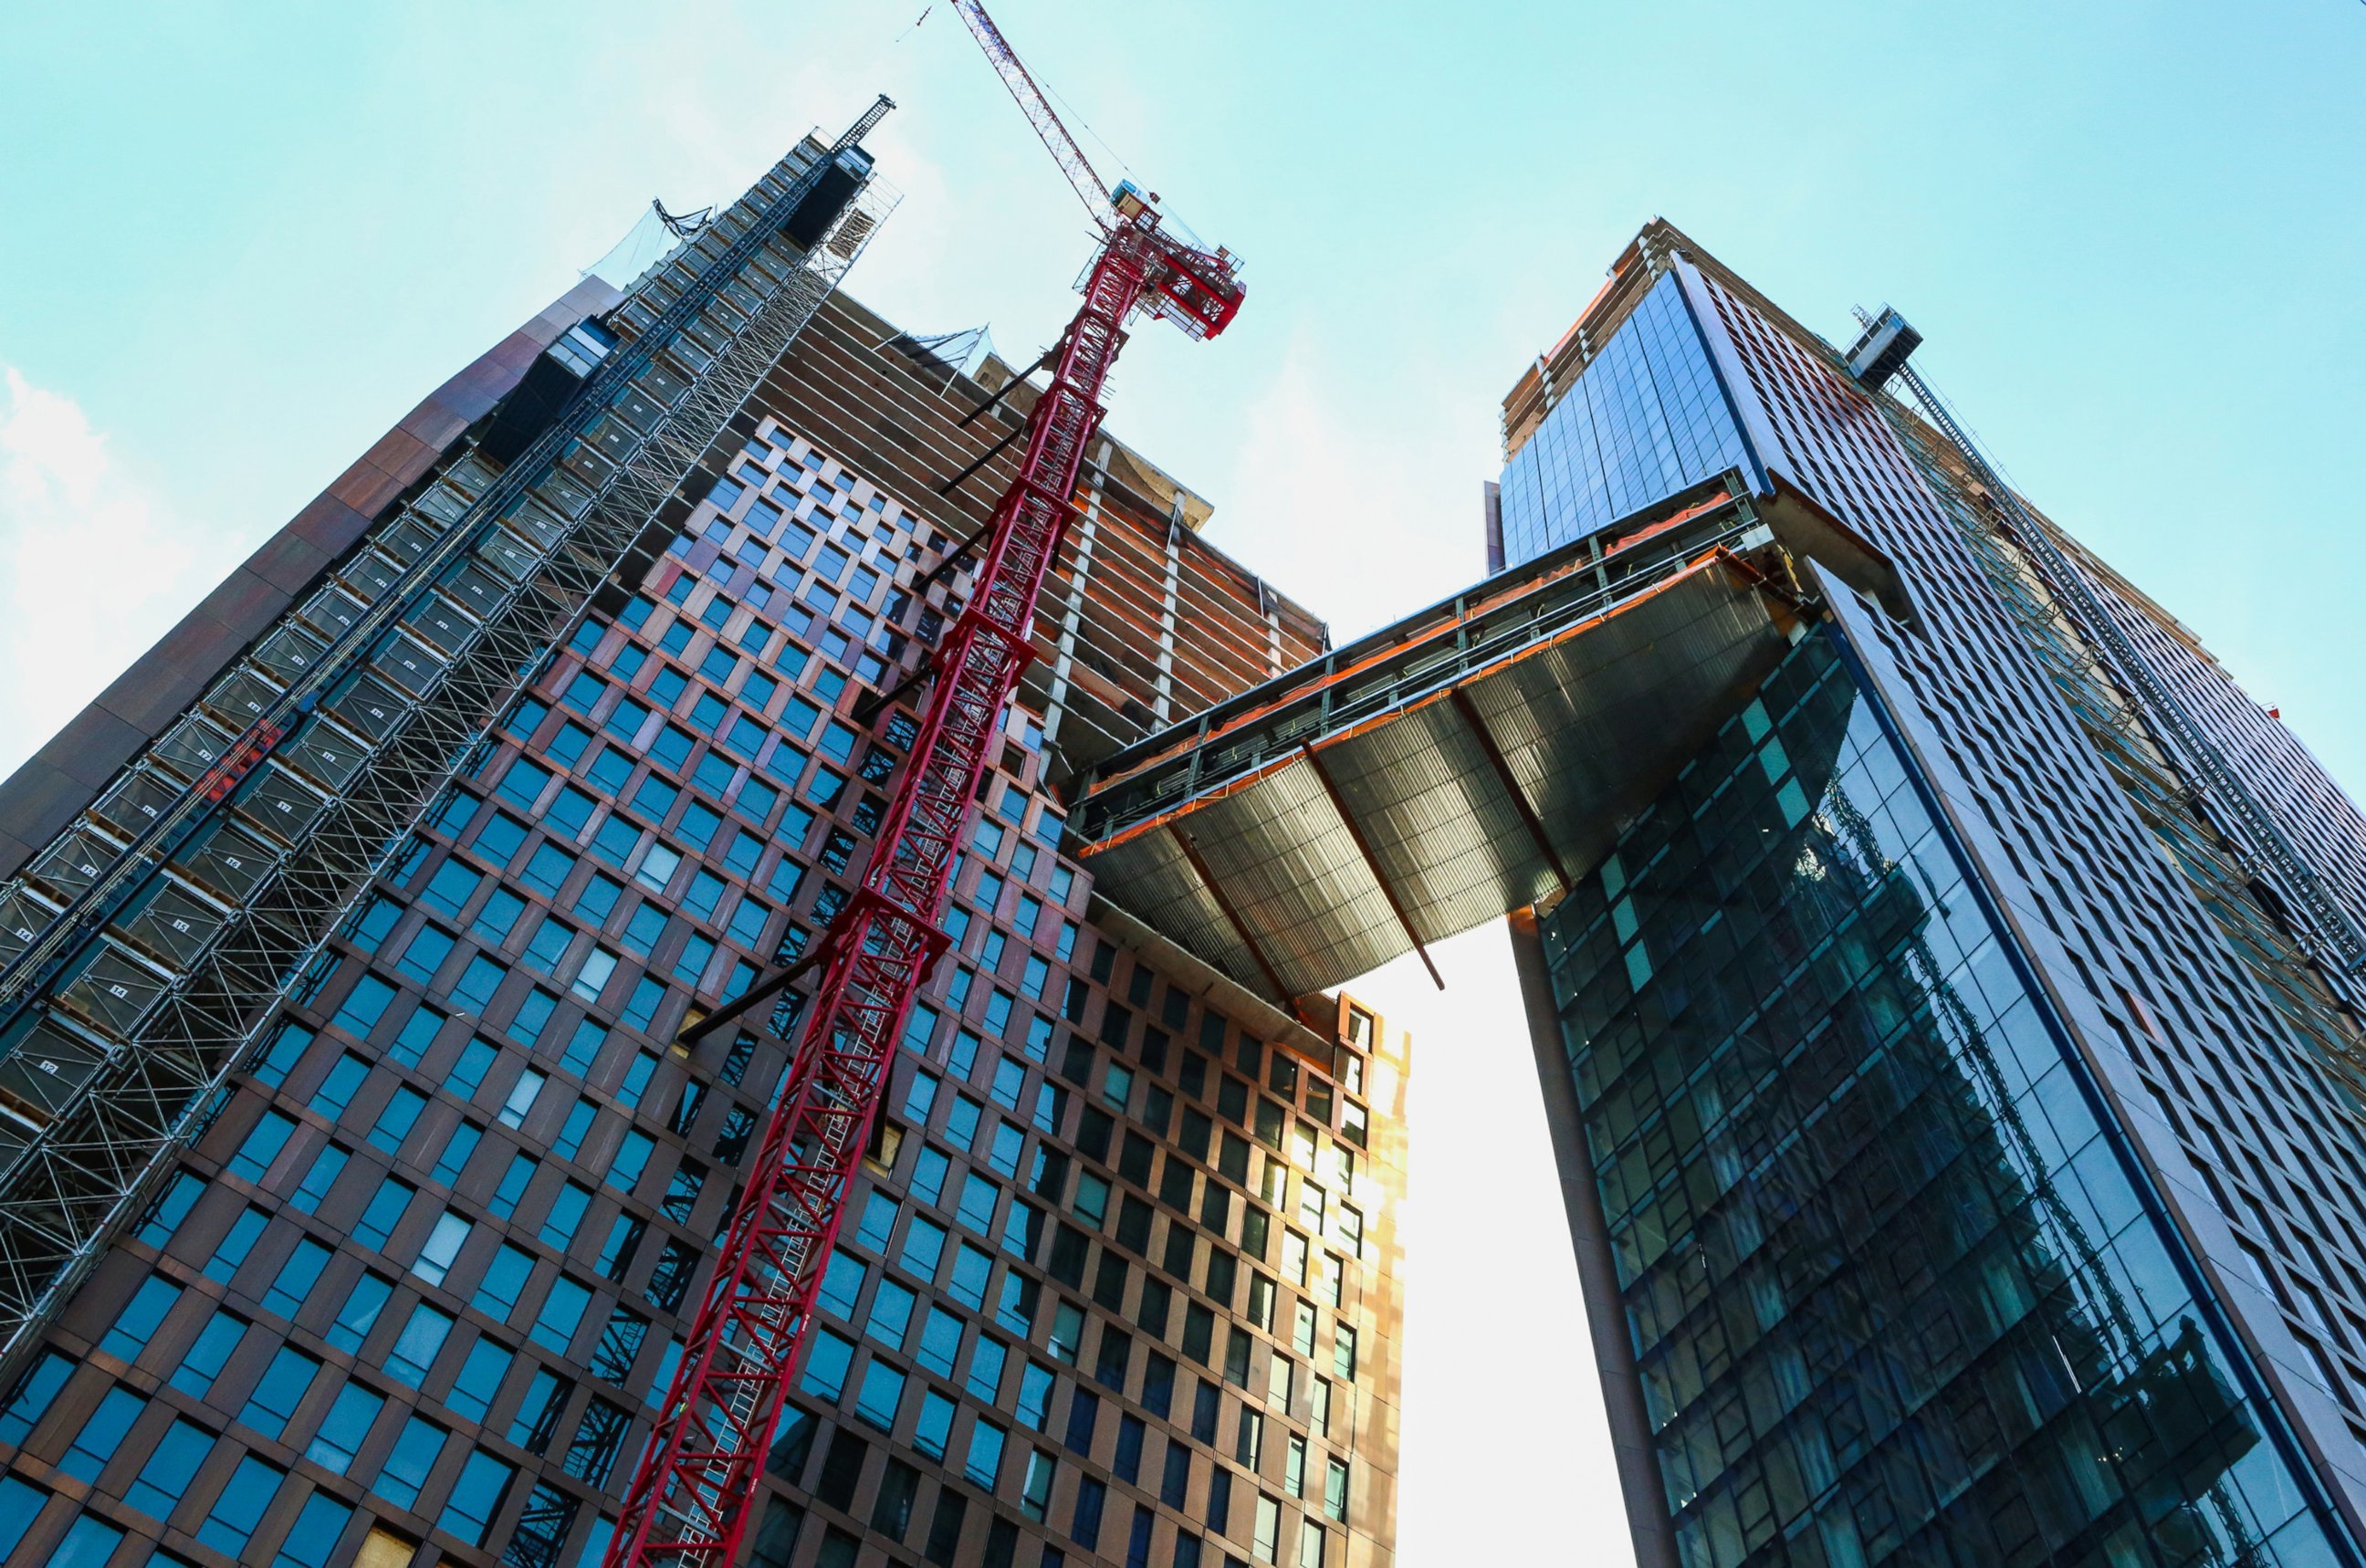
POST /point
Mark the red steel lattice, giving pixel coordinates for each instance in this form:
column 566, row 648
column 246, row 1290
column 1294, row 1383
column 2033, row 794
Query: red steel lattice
column 688, row 1501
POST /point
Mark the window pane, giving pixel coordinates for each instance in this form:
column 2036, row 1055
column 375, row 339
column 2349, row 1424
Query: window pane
column 101, row 1432
column 405, row 1470
column 344, row 1427
column 138, row 1320
column 164, row 1480
column 88, row 1543
column 241, row 1506
column 477, row 1498
column 277, row 1394
column 312, row 1541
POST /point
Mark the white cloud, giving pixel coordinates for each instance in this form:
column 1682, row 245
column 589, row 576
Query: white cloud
column 92, row 566
column 1337, row 499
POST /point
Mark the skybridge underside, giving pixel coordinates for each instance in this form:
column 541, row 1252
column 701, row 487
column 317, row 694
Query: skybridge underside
column 1468, row 761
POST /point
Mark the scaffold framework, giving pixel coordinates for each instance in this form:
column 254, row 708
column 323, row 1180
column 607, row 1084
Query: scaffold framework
column 146, row 949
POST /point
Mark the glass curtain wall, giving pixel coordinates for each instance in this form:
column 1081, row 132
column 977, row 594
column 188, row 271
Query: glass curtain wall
column 1893, row 1294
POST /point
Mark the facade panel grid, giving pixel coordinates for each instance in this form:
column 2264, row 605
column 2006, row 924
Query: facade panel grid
column 427, row 1266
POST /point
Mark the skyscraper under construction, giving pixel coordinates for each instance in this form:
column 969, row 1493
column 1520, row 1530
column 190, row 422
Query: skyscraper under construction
column 1945, row 982
column 355, row 1192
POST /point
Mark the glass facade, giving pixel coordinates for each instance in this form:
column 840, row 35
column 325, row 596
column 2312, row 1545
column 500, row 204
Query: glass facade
column 2229, row 1053
column 1891, row 1291
column 1116, row 1283
column 1646, row 418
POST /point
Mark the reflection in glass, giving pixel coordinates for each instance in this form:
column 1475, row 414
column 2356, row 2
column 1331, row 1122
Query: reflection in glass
column 1891, row 1294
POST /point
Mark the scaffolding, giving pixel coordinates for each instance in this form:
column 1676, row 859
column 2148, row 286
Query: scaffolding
column 2136, row 758
column 148, row 946
column 2327, row 931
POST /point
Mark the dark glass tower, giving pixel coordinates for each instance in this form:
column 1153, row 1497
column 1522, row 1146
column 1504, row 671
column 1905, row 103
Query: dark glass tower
column 1118, row 1282
column 1964, row 1131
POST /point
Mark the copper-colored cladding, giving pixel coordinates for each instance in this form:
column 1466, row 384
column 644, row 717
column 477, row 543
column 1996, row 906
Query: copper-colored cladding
column 1156, row 586
column 1133, row 571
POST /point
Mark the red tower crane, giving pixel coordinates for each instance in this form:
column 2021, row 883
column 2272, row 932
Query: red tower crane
column 688, row 1501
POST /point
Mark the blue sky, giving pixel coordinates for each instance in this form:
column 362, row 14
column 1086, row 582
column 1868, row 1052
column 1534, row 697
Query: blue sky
column 243, row 240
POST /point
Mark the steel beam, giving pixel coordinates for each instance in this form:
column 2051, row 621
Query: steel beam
column 1371, row 861
column 1232, row 916
column 1495, row 759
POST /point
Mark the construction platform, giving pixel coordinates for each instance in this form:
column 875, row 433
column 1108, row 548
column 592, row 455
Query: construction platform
column 1469, row 760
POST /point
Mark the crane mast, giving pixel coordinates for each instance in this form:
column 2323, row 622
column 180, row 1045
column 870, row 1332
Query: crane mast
column 688, row 1502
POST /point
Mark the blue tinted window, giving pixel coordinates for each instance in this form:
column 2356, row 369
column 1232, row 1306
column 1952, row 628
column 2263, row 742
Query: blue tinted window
column 570, row 1142
column 171, row 1466
column 429, row 946
column 566, row 1214
column 385, row 1212
column 841, row 1283
column 827, row 1363
column 241, row 1506
column 476, row 1497
column 891, row 1314
column 287, row 1046
column 476, row 1058
column 457, row 1150
column 204, row 1360
column 235, row 1243
column 102, row 1431
column 171, row 1210
column 935, row 1426
column 327, row 1166
column 881, row 1395
column 479, row 982
column 561, row 1314
column 345, row 1428
column 417, row 1033
column 1784, row 954
column 547, row 868
column 1645, row 419
column 19, row 1504
column 359, row 1313
column 501, row 837
column 363, row 1005
column 632, row 1158
column 138, row 1320
column 499, row 913
column 454, row 884
column 296, row 1277
column 312, row 1541
column 405, row 1473
column 89, row 1542
column 396, row 1120
column 924, row 1245
column 414, row 1348
column 878, row 1222
column 504, row 1281
column 262, row 1146
column 278, row 1393
column 515, row 1181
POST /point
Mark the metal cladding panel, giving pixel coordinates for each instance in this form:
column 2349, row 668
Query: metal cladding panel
column 1169, row 896
column 1447, row 839
column 1591, row 722
column 1291, row 872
